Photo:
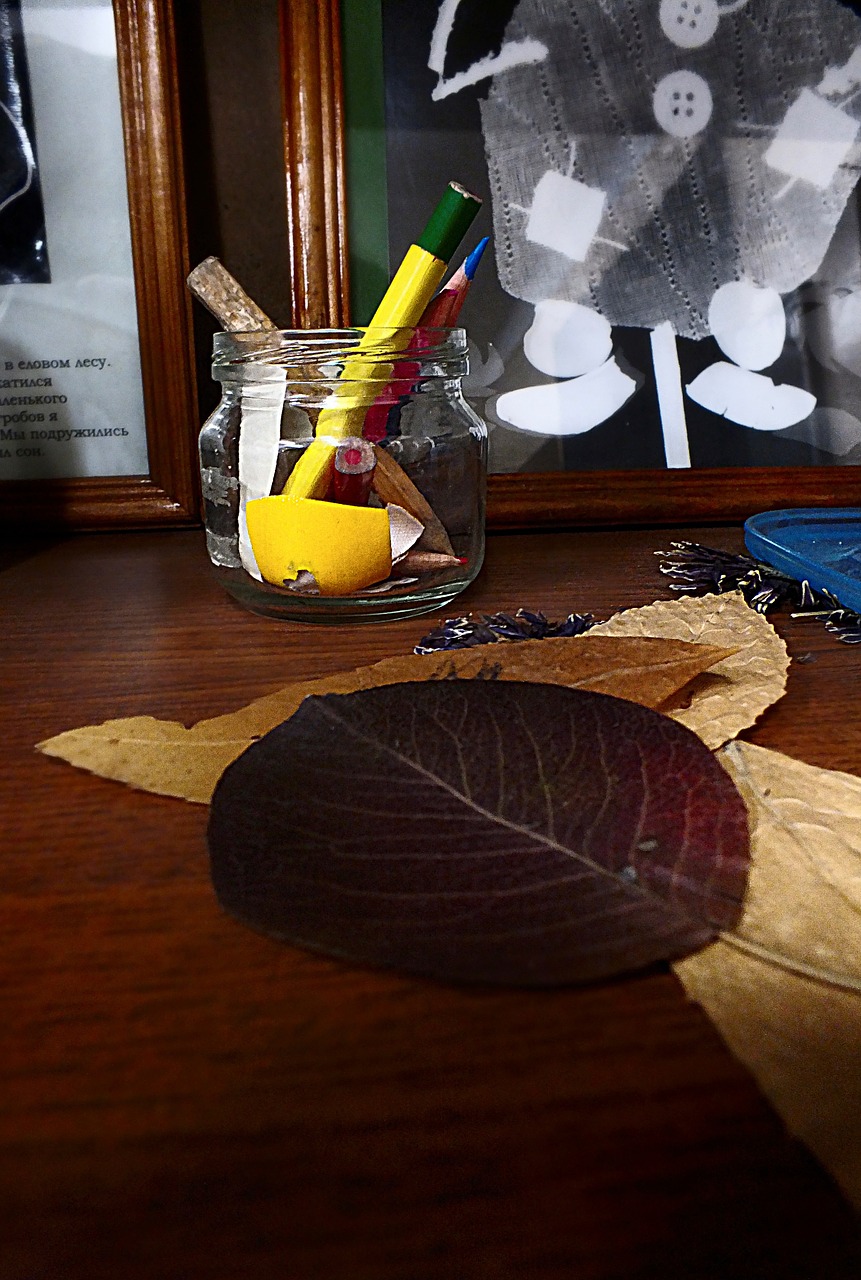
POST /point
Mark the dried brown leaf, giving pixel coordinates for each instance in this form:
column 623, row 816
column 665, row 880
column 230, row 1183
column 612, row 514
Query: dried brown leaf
column 161, row 756
column 736, row 691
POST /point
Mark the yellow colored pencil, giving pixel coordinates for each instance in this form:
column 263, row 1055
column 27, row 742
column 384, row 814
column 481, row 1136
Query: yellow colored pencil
column 412, row 287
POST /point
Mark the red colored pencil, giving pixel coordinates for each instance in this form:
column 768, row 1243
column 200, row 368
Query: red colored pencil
column 443, row 309
column 440, row 313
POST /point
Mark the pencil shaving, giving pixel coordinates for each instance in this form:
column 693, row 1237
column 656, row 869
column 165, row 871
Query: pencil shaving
column 420, row 562
column 392, row 485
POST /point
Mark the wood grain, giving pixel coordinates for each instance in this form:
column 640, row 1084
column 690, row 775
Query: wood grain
column 722, row 494
column 180, row 1097
column 314, row 161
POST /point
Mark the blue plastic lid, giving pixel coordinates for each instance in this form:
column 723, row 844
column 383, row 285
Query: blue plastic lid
column 821, row 545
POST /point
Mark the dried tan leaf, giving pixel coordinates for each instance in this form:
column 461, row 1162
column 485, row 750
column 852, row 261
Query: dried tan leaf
column 738, row 690
column 803, row 901
column 801, row 1040
column 165, row 757
column 769, row 986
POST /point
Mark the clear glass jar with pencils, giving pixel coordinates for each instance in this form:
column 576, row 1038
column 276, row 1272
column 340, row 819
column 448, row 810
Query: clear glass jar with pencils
column 343, row 472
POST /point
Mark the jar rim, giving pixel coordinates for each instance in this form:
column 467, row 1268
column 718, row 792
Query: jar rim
column 373, row 343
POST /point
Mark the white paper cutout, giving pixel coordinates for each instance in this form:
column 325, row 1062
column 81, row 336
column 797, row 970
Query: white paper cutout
column 749, row 326
column 483, row 370
column 568, row 408
column 404, row 530
column 259, row 434
column 567, row 339
column 682, row 103
column 748, row 323
column 565, row 215
column 835, row 431
column 840, row 81
column 671, row 401
column 441, row 34
column 813, row 140
column 833, row 331
column 750, row 399
column 513, row 53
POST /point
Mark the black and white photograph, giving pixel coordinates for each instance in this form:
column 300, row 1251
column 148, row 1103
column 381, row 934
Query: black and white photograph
column 675, row 275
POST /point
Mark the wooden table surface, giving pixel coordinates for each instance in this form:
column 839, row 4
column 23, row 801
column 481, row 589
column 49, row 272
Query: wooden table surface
column 180, row 1097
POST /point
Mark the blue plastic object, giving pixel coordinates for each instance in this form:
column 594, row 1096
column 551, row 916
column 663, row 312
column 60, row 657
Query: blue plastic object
column 819, row 544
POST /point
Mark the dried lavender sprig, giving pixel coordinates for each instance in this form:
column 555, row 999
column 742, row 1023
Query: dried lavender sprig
column 845, row 625
column 699, row 569
column 463, row 633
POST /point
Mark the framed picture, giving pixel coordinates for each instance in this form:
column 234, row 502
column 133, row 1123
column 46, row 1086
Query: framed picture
column 98, row 413
column 621, row 378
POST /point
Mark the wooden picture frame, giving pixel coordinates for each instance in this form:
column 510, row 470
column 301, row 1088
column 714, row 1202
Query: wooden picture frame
column 315, row 160
column 169, row 493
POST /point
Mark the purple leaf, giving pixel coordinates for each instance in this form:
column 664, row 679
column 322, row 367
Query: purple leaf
column 475, row 831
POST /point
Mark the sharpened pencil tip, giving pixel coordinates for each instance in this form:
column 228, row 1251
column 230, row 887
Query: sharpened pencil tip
column 470, row 265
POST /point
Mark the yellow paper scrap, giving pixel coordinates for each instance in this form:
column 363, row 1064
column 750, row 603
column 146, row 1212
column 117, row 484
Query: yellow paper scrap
column 345, row 547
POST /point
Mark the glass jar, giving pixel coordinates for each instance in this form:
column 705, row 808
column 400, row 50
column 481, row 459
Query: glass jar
column 343, row 472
